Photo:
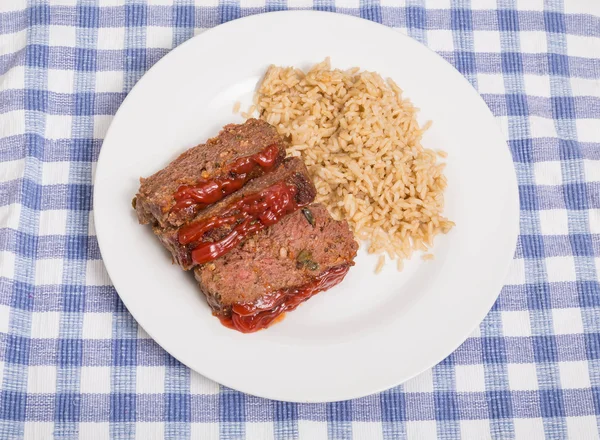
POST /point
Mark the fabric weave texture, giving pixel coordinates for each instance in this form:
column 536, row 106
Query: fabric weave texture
column 74, row 363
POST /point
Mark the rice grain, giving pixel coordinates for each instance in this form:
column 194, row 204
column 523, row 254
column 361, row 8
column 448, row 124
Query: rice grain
column 361, row 142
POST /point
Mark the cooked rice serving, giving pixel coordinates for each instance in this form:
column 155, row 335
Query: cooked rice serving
column 362, row 144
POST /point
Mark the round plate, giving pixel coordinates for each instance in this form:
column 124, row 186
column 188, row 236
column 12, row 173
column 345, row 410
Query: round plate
column 372, row 331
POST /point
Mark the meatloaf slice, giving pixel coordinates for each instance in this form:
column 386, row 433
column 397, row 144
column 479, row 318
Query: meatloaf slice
column 206, row 173
column 277, row 269
column 222, row 226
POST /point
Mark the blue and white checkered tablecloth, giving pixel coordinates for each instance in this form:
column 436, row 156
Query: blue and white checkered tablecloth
column 73, row 362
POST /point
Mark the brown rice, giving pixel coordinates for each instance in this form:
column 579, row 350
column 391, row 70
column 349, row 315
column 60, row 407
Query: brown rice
column 361, row 141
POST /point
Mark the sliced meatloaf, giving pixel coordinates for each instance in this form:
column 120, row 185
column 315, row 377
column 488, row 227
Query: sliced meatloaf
column 222, row 226
column 206, row 173
column 274, row 271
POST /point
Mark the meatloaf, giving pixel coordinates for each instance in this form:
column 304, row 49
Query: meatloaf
column 225, row 224
column 206, row 173
column 279, row 268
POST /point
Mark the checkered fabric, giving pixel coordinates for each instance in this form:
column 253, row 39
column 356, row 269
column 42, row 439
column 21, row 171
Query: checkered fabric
column 73, row 362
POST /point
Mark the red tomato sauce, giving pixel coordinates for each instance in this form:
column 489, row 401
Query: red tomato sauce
column 251, row 317
column 233, row 177
column 246, row 217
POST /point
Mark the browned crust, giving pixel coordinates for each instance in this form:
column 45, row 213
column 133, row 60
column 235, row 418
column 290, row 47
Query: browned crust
column 292, row 171
column 154, row 199
column 259, row 266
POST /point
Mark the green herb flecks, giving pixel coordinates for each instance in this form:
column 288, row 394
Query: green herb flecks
column 304, row 259
column 309, row 217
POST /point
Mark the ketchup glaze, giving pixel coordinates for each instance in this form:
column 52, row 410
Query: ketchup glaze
column 247, row 216
column 254, row 316
column 233, row 177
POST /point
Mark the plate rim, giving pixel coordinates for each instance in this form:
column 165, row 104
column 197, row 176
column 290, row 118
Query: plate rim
column 514, row 227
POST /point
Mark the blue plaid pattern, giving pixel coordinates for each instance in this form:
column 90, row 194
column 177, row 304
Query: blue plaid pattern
column 74, row 364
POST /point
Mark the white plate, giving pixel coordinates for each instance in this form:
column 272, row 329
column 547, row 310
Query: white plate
column 369, row 333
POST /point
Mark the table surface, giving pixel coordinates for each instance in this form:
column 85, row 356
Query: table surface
column 74, row 363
